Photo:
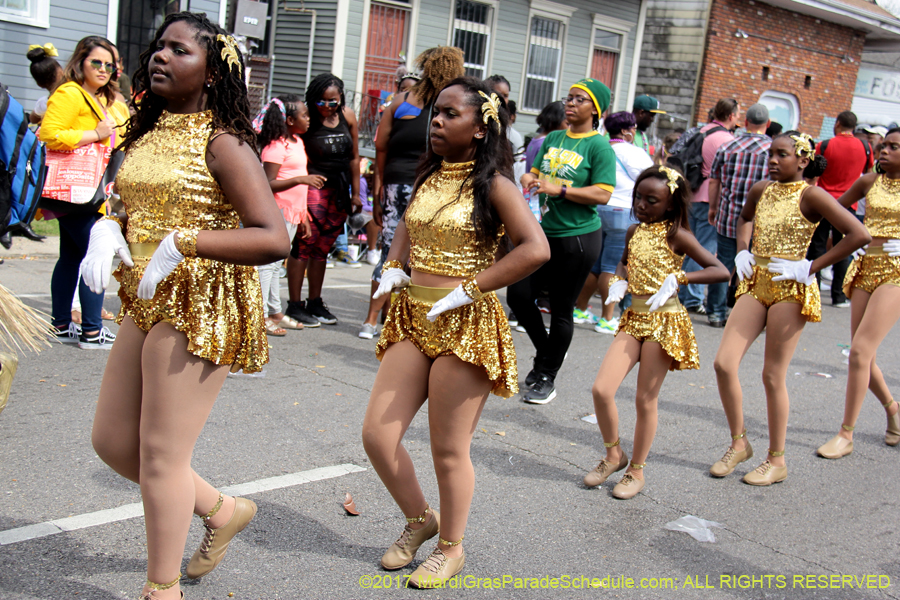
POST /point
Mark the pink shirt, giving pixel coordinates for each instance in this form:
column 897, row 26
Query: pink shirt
column 710, row 145
column 292, row 158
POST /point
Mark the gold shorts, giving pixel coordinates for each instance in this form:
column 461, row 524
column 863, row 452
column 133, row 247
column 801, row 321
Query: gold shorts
column 477, row 333
column 669, row 326
column 768, row 292
column 873, row 269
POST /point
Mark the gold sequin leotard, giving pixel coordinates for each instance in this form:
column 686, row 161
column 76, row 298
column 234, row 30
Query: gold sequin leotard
column 650, row 261
column 875, row 268
column 165, row 184
column 443, row 241
column 781, row 231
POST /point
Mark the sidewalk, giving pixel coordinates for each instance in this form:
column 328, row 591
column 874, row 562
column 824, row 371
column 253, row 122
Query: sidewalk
column 25, row 248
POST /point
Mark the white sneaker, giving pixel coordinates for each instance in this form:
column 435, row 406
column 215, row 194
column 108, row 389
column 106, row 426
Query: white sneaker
column 373, row 256
column 368, row 332
column 102, row 340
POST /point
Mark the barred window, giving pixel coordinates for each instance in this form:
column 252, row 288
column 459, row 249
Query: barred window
column 472, row 34
column 545, row 49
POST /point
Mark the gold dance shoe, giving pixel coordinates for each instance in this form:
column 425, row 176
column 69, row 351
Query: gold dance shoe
column 403, row 551
column 215, row 542
column 836, row 447
column 602, row 471
column 732, row 458
column 629, row 486
column 436, row 568
column 766, row 474
column 892, row 435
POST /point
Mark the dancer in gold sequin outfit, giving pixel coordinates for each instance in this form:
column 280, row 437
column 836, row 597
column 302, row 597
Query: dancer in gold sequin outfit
column 191, row 302
column 446, row 338
column 873, row 286
column 656, row 330
column 777, row 293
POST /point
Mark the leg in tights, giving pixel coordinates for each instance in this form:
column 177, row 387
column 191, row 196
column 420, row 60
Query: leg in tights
column 620, row 358
column 655, row 364
column 872, row 317
column 747, row 321
column 784, row 324
column 457, row 392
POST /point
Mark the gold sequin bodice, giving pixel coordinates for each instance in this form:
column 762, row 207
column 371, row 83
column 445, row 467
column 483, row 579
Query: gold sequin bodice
column 779, row 227
column 164, row 181
column 883, row 208
column 650, row 259
column 442, row 237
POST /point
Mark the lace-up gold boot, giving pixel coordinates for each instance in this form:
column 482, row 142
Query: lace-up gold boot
column 629, row 486
column 215, row 543
column 767, row 473
column 725, row 465
column 602, row 471
column 437, row 567
column 403, row 551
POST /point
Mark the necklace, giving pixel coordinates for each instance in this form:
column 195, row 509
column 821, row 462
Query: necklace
column 611, row 140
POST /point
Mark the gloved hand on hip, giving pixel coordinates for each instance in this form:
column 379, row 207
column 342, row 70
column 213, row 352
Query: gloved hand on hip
column 390, row 280
column 668, row 289
column 791, row 270
column 164, row 261
column 105, row 243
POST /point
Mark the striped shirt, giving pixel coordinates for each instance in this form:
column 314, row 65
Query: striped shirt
column 738, row 165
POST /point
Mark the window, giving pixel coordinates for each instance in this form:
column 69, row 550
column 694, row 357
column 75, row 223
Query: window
column 783, row 108
column 26, row 12
column 385, row 48
column 545, row 48
column 472, row 34
column 138, row 22
column 609, row 40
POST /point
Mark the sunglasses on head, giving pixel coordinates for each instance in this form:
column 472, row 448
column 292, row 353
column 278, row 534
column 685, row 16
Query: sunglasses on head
column 328, row 103
column 110, row 68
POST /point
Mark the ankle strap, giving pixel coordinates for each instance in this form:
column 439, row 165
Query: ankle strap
column 737, row 437
column 613, row 444
column 451, row 544
column 888, row 403
column 638, row 466
column 163, row 586
column 776, row 452
column 214, row 510
column 421, row 518
column 848, row 427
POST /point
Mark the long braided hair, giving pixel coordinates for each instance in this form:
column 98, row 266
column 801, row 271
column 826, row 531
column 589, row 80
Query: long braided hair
column 314, row 92
column 227, row 98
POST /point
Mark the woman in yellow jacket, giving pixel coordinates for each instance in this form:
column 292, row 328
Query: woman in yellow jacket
column 82, row 111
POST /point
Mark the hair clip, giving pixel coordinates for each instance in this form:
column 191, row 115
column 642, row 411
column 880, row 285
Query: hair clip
column 490, row 109
column 803, row 145
column 258, row 121
column 49, row 49
column 673, row 177
column 229, row 52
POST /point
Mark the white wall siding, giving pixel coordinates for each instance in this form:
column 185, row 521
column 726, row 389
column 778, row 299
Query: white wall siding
column 353, row 44
column 210, row 7
column 292, row 45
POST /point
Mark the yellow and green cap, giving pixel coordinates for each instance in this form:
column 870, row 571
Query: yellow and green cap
column 598, row 92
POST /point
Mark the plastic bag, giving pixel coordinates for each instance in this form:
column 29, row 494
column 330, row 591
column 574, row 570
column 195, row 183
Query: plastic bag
column 696, row 527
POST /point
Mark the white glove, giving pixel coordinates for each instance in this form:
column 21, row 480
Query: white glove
column 106, row 241
column 666, row 290
column 617, row 291
column 743, row 265
column 390, row 280
column 892, row 247
column 791, row 270
column 458, row 297
column 860, row 252
column 163, row 262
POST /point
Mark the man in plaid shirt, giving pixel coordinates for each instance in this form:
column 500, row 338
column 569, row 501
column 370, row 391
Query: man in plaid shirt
column 738, row 165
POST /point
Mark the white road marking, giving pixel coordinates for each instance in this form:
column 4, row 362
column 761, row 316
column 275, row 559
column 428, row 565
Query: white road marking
column 130, row 511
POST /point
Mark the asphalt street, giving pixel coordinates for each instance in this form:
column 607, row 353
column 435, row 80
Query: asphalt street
column 831, row 530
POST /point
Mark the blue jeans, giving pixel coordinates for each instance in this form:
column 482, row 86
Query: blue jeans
column 718, row 307
column 691, row 295
column 74, row 235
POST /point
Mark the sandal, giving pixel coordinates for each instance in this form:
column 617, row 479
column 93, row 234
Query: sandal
column 290, row 323
column 76, row 317
column 106, row 315
column 274, row 329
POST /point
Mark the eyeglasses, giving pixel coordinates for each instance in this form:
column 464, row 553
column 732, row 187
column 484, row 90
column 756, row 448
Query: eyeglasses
column 328, row 103
column 102, row 66
column 576, row 100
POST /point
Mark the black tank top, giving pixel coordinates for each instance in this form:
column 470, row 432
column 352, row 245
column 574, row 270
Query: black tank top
column 405, row 147
column 329, row 151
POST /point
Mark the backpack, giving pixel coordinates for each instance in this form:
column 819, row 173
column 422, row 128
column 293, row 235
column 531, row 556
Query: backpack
column 691, row 155
column 22, row 170
column 866, row 147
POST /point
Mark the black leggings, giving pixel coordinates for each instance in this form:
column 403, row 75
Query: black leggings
column 571, row 259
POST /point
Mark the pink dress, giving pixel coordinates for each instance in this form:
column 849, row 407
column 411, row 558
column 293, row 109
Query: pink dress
column 292, row 158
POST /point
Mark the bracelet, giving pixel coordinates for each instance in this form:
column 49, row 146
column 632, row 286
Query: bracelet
column 681, row 278
column 115, row 219
column 562, row 192
column 186, row 242
column 470, row 287
column 392, row 264
column 615, row 279
column 98, row 134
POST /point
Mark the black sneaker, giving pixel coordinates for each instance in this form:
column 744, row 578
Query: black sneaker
column 298, row 312
column 697, row 310
column 101, row 340
column 513, row 321
column 317, row 308
column 542, row 392
column 69, row 335
column 533, row 375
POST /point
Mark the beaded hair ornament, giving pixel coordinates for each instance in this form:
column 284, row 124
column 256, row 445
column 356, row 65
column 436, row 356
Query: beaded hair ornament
column 229, row 52
column 673, row 176
column 490, row 109
column 803, row 146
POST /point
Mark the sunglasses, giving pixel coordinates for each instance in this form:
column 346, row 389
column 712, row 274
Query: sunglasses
column 328, row 103
column 110, row 68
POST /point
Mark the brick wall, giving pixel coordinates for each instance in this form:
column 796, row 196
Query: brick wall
column 793, row 47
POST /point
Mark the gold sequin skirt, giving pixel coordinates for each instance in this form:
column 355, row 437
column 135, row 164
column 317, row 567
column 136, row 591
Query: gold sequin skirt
column 768, row 292
column 477, row 333
column 217, row 305
column 873, row 269
column 670, row 327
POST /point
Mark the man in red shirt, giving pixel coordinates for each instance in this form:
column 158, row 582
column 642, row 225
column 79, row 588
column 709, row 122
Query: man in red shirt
column 848, row 158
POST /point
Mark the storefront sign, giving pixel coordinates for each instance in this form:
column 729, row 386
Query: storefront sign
column 878, row 85
column 251, row 19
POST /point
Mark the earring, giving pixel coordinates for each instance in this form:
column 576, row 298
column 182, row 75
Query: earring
column 208, row 84
column 479, row 135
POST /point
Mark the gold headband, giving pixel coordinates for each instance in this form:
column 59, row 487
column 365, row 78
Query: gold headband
column 49, row 48
column 490, row 109
column 230, row 52
column 803, row 145
column 673, row 177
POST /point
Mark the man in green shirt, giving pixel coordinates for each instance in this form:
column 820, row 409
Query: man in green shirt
column 645, row 109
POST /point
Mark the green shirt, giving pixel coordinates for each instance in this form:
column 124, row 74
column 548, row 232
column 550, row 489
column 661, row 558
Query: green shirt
column 575, row 160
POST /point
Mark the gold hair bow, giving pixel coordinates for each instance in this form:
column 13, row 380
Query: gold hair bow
column 490, row 109
column 229, row 52
column 803, row 146
column 673, row 177
column 49, row 48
